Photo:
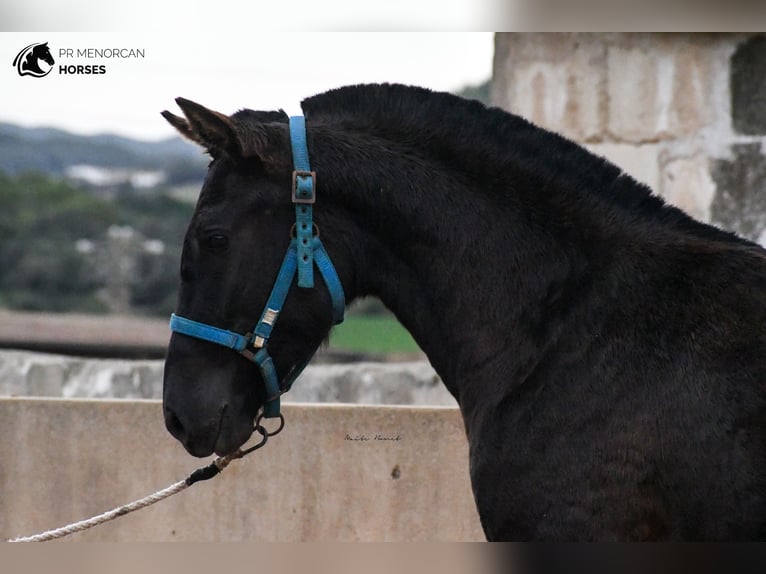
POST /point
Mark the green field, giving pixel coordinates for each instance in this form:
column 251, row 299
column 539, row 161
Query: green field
column 378, row 334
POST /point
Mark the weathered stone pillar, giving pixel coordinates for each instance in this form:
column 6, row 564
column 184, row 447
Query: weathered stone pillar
column 683, row 113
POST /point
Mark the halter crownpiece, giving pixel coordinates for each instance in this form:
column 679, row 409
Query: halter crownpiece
column 304, row 250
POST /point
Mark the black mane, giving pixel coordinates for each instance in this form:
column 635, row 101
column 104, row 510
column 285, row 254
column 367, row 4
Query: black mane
column 484, row 142
column 487, row 143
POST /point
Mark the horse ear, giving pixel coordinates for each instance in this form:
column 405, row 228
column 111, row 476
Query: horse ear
column 212, row 130
column 182, row 126
column 221, row 134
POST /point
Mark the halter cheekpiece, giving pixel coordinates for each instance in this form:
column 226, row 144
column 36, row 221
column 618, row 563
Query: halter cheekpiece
column 304, row 250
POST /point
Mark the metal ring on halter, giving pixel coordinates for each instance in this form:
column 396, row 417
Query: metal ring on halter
column 265, row 436
column 314, row 230
column 258, row 425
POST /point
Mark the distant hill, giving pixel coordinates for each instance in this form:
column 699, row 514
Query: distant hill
column 52, row 151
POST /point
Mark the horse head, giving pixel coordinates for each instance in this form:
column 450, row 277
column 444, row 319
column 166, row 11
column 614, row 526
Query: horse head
column 236, row 241
column 42, row 52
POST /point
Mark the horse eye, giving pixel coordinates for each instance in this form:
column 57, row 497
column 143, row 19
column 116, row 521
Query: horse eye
column 218, row 241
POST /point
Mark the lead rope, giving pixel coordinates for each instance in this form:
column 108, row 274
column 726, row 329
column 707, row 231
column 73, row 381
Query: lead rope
column 199, row 475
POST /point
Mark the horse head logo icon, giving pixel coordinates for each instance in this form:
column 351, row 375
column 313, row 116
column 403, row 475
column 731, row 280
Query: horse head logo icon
column 27, row 62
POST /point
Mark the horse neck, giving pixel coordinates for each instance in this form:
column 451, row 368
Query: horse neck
column 490, row 265
column 459, row 268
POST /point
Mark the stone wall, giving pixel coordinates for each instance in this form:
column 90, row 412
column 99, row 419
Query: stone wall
column 682, row 113
column 44, row 375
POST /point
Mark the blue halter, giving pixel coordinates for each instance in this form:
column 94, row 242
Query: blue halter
column 304, row 250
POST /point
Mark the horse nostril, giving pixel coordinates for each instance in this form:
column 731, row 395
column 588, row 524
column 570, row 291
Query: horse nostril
column 174, row 425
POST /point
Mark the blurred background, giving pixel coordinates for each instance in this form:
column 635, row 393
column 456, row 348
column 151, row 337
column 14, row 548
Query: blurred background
column 96, row 190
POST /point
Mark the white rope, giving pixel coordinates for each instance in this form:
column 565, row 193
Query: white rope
column 105, row 517
column 220, row 463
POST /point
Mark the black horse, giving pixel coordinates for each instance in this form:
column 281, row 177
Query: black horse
column 27, row 62
column 607, row 351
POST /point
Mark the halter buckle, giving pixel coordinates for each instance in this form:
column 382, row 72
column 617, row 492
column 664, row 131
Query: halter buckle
column 302, row 193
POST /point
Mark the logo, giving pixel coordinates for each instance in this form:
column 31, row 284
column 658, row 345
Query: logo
column 28, row 61
column 37, row 61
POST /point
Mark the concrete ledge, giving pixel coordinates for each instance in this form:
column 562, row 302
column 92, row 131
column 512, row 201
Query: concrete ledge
column 66, row 460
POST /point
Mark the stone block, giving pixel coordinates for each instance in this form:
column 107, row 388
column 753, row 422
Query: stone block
column 45, row 380
column 639, row 161
column 553, row 80
column 659, row 87
column 740, row 200
column 748, row 87
column 12, row 376
column 32, row 374
column 149, row 380
column 687, row 184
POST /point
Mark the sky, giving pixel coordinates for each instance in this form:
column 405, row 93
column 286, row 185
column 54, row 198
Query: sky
column 263, row 70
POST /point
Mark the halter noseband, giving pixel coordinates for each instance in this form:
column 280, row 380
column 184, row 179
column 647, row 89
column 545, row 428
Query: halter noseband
column 304, row 250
